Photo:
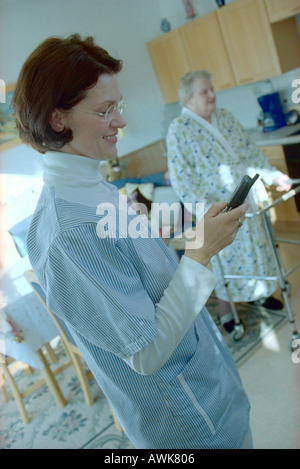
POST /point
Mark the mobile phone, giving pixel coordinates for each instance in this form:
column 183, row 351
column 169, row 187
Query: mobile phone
column 241, row 192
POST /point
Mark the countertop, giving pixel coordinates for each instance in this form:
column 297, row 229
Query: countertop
column 282, row 136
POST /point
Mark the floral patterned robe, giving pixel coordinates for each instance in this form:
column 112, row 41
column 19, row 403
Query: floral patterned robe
column 206, row 163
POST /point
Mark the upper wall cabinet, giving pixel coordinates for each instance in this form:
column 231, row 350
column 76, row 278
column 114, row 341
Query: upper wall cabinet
column 204, row 44
column 282, row 9
column 237, row 43
column 258, row 50
column 170, row 61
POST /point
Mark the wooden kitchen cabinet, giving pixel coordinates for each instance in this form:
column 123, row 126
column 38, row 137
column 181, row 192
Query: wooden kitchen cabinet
column 204, row 43
column 237, row 43
column 170, row 62
column 257, row 49
column 285, row 211
column 281, row 9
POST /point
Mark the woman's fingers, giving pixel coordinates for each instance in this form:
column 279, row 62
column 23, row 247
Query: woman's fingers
column 216, row 231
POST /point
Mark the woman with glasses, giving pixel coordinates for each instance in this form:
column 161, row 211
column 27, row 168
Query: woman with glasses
column 138, row 316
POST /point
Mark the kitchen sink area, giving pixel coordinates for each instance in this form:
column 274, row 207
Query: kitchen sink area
column 296, row 133
column 287, row 135
column 289, row 138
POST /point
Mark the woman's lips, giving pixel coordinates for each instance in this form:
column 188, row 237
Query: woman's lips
column 111, row 138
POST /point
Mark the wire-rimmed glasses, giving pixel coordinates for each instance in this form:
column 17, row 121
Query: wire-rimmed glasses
column 108, row 114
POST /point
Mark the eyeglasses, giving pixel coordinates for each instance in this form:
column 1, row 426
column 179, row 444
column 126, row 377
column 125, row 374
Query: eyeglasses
column 108, row 114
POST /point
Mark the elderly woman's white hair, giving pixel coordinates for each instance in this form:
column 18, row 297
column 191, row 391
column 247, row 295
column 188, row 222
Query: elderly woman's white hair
column 185, row 89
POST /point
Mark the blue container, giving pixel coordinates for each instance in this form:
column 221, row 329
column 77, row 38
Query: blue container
column 273, row 113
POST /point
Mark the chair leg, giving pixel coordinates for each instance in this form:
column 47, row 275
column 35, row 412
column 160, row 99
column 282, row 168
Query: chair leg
column 84, row 382
column 116, row 421
column 16, row 393
column 52, row 357
column 51, row 381
column 27, row 369
column 80, row 372
column 3, row 389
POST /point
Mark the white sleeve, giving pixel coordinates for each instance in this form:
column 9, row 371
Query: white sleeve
column 181, row 303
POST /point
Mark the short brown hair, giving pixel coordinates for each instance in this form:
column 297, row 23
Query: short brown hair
column 57, row 74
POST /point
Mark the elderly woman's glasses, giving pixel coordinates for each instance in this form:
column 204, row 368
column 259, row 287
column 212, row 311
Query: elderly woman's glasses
column 108, row 114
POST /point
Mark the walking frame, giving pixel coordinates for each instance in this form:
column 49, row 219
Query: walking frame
column 281, row 274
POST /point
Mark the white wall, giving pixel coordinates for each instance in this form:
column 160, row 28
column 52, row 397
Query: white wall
column 121, row 26
column 173, row 10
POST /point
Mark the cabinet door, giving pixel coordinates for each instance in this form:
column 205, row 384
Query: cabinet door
column 282, row 9
column 204, row 42
column 170, row 63
column 249, row 40
column 285, row 211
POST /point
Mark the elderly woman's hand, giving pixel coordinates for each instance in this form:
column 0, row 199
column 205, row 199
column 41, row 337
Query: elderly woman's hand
column 281, row 183
column 215, row 231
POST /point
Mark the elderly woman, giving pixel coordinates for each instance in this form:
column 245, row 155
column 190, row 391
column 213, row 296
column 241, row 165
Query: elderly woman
column 137, row 316
column 208, row 154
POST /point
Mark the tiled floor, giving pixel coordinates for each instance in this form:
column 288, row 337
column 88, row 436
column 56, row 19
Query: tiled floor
column 271, row 378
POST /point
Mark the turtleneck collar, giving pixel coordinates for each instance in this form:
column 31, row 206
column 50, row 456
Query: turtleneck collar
column 70, row 170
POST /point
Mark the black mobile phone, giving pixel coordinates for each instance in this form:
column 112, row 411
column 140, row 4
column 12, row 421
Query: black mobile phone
column 241, row 192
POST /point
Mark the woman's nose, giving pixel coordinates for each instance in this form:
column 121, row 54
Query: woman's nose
column 118, row 120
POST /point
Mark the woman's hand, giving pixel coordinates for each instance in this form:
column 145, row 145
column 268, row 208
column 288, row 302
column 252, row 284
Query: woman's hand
column 215, row 231
column 281, row 183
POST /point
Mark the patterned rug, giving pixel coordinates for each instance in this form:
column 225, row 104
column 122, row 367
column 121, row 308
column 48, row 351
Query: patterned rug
column 78, row 426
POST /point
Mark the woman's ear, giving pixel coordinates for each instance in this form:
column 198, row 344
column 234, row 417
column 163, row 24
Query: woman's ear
column 56, row 120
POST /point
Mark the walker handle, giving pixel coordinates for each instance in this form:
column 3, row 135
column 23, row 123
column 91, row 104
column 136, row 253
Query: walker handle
column 283, row 198
column 293, row 181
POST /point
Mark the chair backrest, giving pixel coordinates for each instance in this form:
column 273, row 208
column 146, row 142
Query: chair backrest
column 61, row 326
column 69, row 343
column 18, row 233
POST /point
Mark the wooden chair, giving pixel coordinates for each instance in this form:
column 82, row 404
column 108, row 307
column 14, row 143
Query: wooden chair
column 49, row 379
column 72, row 350
column 33, row 358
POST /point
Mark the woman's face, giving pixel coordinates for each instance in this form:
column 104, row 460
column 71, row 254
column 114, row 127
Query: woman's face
column 203, row 99
column 92, row 135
